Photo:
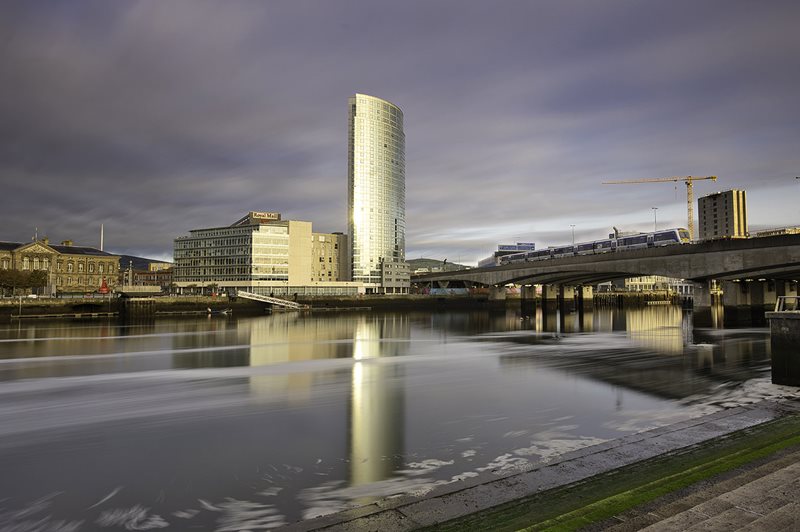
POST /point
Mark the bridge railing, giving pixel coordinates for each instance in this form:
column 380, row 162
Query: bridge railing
column 787, row 303
column 276, row 301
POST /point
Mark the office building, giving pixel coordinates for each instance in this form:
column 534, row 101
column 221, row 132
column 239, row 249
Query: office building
column 258, row 253
column 70, row 268
column 376, row 195
column 330, row 254
column 723, row 215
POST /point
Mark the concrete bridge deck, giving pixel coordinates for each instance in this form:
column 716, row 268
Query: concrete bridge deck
column 776, row 257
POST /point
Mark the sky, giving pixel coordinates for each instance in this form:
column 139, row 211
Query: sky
column 157, row 117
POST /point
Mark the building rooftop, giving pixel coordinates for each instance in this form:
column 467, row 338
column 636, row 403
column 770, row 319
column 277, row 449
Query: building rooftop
column 65, row 250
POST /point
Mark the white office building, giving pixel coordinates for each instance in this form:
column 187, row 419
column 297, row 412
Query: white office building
column 377, row 195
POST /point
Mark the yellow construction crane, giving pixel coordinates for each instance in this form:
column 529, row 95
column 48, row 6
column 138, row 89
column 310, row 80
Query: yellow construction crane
column 688, row 179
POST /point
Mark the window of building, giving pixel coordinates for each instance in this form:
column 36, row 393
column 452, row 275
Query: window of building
column 69, row 269
column 91, row 267
column 26, row 264
column 80, row 267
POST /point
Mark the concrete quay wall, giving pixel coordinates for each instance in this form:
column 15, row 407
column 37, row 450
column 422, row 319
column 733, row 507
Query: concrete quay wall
column 784, row 330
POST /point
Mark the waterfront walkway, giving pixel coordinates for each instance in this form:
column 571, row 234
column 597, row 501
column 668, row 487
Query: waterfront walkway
column 757, row 497
column 760, row 493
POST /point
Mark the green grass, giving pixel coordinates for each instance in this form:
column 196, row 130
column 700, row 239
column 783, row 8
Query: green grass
column 603, row 496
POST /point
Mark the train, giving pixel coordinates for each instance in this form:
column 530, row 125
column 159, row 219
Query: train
column 665, row 237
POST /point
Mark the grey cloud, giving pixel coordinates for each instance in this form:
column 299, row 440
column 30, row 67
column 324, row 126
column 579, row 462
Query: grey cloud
column 155, row 118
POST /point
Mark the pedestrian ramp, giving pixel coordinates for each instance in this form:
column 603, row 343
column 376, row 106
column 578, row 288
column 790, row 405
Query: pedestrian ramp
column 275, row 301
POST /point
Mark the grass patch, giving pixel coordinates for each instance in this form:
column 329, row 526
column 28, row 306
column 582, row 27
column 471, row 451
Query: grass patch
column 603, row 496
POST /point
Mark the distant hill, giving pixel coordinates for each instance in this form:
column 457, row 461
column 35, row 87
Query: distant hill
column 416, row 264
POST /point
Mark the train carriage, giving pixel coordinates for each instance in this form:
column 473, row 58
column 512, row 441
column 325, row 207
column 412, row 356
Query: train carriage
column 665, row 237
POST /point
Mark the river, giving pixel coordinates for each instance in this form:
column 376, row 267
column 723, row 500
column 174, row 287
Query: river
column 230, row 423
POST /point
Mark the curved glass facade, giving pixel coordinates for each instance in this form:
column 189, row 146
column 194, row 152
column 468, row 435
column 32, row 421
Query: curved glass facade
column 376, row 186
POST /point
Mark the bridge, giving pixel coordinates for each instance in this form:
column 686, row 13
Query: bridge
column 774, row 258
column 274, row 301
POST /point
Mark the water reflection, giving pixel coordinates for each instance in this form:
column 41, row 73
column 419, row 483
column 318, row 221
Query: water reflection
column 660, row 328
column 699, row 360
column 377, row 414
column 306, row 414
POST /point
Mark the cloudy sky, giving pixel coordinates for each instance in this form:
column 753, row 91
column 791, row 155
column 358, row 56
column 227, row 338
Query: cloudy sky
column 157, row 117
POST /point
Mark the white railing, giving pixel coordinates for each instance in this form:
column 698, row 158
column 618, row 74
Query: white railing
column 271, row 300
column 787, row 303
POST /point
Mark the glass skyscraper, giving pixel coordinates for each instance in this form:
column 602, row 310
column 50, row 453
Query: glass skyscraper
column 377, row 194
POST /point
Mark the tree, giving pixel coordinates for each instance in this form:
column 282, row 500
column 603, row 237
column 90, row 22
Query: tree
column 10, row 280
column 37, row 279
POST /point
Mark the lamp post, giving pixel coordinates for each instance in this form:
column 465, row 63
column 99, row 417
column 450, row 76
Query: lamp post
column 573, row 233
column 655, row 210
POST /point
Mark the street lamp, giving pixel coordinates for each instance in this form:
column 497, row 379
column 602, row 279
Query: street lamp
column 573, row 233
column 655, row 209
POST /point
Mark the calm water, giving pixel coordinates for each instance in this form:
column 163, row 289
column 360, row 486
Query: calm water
column 250, row 423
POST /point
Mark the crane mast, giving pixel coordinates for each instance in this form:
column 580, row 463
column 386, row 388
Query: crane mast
column 688, row 179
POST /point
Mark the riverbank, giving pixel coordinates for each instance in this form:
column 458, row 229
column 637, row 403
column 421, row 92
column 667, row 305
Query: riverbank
column 241, row 306
column 591, row 485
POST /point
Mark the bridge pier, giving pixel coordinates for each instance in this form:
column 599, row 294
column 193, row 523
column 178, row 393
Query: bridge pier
column 550, row 296
column 785, row 288
column 528, row 292
column 701, row 304
column 762, row 299
column 585, row 297
column 736, row 302
column 746, row 302
column 527, row 300
column 497, row 293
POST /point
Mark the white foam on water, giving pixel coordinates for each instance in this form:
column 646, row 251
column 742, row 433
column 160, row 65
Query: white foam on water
column 238, row 515
column 136, row 517
column 108, row 337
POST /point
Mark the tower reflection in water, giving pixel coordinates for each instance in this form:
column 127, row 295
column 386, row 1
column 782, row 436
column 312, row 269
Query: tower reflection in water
column 377, row 411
